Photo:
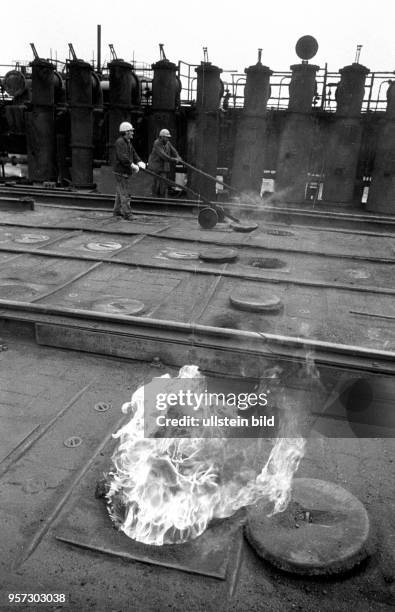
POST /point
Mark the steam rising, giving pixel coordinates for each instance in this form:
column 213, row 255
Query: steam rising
column 167, row 490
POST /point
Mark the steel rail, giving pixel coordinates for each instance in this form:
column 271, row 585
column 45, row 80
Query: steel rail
column 220, row 343
column 102, row 200
column 263, row 338
column 105, row 201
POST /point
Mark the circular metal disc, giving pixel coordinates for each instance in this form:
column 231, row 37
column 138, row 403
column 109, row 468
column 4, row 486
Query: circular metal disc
column 182, row 255
column 103, row 246
column 306, row 47
column 324, row 530
column 207, row 218
column 258, row 301
column 73, row 441
column 31, row 238
column 14, row 83
column 102, row 406
column 218, row 255
column 244, row 227
column 123, row 306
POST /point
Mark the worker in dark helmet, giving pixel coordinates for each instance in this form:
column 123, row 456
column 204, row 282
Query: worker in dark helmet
column 126, row 163
column 162, row 155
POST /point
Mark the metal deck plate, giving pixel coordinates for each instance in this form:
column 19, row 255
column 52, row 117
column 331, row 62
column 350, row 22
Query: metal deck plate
column 13, row 433
column 88, row 525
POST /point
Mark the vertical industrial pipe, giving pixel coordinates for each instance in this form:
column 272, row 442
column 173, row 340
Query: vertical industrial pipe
column 40, row 123
column 297, row 137
column 381, row 196
column 81, row 120
column 208, row 97
column 342, row 150
column 99, row 49
column 249, row 152
column 165, row 98
column 122, row 83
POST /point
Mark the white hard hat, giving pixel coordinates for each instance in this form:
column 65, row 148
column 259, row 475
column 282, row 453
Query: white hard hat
column 165, row 133
column 125, row 126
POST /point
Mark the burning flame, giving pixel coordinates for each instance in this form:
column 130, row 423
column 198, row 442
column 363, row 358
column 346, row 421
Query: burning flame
column 167, row 490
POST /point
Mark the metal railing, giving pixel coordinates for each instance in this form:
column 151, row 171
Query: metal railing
column 375, row 97
column 187, row 76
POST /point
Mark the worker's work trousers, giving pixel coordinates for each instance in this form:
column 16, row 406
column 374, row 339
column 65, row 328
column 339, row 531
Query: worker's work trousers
column 122, row 197
column 159, row 186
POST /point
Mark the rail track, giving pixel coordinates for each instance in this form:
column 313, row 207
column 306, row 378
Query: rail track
column 73, row 278
column 58, row 261
column 318, row 216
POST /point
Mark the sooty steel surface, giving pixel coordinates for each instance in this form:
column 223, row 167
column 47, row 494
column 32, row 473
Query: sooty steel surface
column 13, row 432
column 88, row 525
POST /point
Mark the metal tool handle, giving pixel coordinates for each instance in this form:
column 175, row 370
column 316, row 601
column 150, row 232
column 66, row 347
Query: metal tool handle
column 213, row 178
column 204, row 200
column 174, row 184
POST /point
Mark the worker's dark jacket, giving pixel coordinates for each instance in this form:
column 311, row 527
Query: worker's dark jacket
column 124, row 156
column 161, row 155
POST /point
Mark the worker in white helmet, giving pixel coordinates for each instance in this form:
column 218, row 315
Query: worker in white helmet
column 162, row 155
column 126, row 163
